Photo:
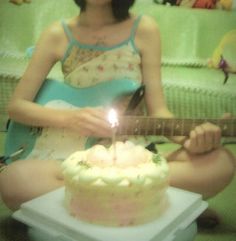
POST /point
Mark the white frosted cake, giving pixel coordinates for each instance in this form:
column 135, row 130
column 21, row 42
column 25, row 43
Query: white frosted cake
column 119, row 186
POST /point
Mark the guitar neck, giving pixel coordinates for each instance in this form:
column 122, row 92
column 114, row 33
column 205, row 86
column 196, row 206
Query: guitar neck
column 142, row 125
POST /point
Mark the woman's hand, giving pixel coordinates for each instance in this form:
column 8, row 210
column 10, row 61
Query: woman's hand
column 203, row 138
column 19, row 2
column 89, row 122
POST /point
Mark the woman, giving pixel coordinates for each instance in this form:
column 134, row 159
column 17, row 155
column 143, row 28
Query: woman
column 104, row 42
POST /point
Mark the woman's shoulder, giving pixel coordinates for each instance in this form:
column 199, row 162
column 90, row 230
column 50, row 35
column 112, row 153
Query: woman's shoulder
column 53, row 39
column 148, row 25
column 147, row 32
column 54, row 31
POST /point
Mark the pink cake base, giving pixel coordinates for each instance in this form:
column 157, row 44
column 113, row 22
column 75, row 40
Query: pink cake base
column 128, row 191
column 117, row 207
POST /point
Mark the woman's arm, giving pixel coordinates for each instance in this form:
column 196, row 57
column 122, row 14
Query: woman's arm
column 204, row 137
column 149, row 44
column 50, row 49
column 21, row 107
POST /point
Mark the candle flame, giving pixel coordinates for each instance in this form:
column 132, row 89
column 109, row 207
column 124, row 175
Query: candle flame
column 112, row 118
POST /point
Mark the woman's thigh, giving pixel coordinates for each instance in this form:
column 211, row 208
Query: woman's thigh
column 25, row 179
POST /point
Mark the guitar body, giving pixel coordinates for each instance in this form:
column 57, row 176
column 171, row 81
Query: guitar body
column 103, row 94
column 25, row 137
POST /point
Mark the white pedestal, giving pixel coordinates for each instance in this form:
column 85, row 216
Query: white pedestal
column 48, row 217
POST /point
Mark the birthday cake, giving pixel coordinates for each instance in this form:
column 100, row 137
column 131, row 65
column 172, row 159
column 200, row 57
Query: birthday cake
column 122, row 185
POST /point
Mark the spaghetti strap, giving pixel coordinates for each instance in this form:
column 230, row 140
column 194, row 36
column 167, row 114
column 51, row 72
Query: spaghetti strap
column 134, row 27
column 67, row 30
column 133, row 32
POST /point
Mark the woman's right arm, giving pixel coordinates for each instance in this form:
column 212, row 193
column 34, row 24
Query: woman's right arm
column 22, row 109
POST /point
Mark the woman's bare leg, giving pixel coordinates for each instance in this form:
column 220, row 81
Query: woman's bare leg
column 207, row 173
column 26, row 179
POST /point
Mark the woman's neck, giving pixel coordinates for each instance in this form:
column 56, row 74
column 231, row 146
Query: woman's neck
column 96, row 17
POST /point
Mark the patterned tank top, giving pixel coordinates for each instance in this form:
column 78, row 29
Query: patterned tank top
column 85, row 65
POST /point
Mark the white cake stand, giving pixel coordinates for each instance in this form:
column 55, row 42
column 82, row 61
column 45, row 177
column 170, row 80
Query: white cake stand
column 49, row 221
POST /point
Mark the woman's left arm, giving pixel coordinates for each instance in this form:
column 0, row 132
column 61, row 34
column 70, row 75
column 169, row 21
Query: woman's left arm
column 204, row 137
column 149, row 43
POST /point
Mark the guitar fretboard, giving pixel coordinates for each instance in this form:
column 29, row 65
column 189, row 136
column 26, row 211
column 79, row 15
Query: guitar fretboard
column 142, row 125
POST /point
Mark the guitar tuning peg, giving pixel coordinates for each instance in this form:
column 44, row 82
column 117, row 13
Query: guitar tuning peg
column 152, row 147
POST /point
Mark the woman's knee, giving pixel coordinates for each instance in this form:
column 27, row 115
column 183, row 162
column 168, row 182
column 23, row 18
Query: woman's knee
column 207, row 173
column 221, row 172
column 10, row 180
column 24, row 180
column 227, row 164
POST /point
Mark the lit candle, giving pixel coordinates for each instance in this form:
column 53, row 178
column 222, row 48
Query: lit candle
column 112, row 118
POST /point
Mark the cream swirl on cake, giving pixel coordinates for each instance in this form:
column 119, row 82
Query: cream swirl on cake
column 120, row 187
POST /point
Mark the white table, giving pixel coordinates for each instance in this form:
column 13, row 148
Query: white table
column 48, row 218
